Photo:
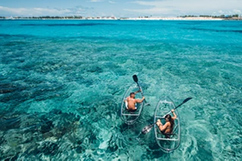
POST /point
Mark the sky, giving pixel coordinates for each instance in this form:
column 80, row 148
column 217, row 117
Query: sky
column 119, row 8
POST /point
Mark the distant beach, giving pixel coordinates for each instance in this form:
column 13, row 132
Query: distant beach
column 192, row 18
column 177, row 18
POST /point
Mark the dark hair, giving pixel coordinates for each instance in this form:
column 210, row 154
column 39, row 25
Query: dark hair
column 168, row 116
column 132, row 93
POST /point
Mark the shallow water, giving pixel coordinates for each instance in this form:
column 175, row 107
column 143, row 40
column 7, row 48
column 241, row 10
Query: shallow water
column 62, row 83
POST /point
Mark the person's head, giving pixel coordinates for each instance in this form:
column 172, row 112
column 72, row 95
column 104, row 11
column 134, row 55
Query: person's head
column 168, row 118
column 132, row 95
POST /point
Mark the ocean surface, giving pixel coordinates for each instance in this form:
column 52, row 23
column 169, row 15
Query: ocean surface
column 62, row 84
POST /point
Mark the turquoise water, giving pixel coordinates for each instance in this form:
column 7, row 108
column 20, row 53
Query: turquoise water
column 62, row 83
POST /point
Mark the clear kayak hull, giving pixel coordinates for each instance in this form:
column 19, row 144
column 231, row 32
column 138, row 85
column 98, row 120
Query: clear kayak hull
column 127, row 116
column 171, row 142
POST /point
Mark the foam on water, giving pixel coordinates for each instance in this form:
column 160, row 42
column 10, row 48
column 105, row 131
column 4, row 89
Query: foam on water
column 62, row 83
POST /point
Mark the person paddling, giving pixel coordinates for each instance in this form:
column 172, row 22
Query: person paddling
column 167, row 128
column 131, row 101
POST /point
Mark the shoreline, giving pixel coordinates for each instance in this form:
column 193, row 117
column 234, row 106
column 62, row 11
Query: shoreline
column 120, row 20
column 128, row 19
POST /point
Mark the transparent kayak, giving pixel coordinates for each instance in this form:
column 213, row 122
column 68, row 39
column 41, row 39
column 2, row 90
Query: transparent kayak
column 127, row 116
column 172, row 142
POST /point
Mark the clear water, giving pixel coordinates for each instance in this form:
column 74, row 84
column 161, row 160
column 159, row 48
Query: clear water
column 62, row 83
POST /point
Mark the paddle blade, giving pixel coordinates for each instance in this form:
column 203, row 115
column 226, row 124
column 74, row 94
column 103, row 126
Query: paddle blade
column 187, row 99
column 147, row 104
column 147, row 129
column 135, row 78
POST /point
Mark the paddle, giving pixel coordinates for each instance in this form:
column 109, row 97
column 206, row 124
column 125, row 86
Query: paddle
column 187, row 99
column 135, row 78
column 147, row 128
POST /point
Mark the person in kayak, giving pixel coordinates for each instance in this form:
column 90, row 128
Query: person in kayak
column 167, row 128
column 131, row 101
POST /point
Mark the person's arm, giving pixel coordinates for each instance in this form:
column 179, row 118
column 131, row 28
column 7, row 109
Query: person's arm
column 161, row 126
column 126, row 99
column 139, row 101
column 137, row 91
column 174, row 115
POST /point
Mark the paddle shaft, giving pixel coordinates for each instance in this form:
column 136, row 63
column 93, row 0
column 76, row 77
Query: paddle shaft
column 135, row 78
column 142, row 94
column 179, row 105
